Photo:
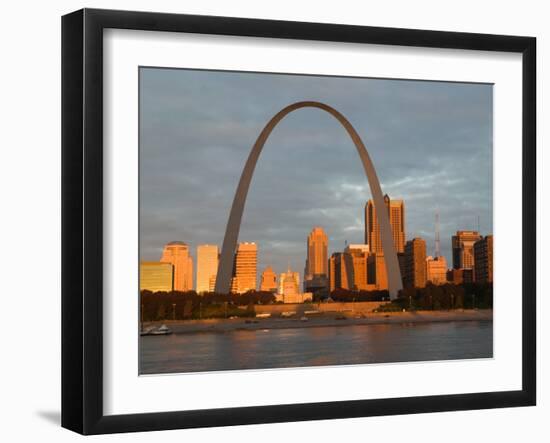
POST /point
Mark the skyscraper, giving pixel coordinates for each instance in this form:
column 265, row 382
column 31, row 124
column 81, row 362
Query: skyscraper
column 396, row 214
column 268, row 281
column 317, row 253
column 177, row 254
column 415, row 263
column 483, row 258
column 207, row 266
column 463, row 249
column 316, row 269
column 246, row 260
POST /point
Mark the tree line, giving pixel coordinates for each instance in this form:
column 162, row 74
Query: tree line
column 177, row 305
column 442, row 297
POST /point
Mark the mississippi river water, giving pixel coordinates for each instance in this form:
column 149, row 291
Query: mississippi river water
column 317, row 346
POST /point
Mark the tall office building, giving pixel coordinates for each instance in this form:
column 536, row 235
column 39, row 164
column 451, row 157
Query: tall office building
column 436, row 270
column 207, row 266
column 177, row 254
column 415, row 263
column 483, row 260
column 316, row 269
column 396, row 214
column 268, row 280
column 155, row 276
column 463, row 249
column 246, row 260
column 317, row 253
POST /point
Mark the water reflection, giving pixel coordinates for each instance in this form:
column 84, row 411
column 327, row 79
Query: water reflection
column 318, row 346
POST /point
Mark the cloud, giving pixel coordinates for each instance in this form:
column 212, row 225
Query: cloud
column 431, row 143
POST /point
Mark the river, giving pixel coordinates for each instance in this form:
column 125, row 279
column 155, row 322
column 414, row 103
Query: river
column 317, row 346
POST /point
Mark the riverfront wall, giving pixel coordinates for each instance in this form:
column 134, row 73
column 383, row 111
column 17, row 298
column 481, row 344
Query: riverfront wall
column 357, row 307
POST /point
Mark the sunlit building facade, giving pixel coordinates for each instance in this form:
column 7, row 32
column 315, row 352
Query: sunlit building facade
column 356, row 260
column 396, row 214
column 436, row 270
column 245, row 271
column 177, row 254
column 285, row 276
column 268, row 280
column 317, row 253
column 207, row 266
column 316, row 270
column 156, row 276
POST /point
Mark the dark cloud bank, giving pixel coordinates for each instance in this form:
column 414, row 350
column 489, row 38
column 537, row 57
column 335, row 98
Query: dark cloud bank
column 431, row 143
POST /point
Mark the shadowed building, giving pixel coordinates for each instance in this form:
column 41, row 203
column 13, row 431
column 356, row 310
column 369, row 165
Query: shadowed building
column 155, row 276
column 177, row 254
column 376, row 271
column 246, row 260
column 268, row 280
column 338, row 272
column 483, row 259
column 436, row 270
column 463, row 249
column 207, row 267
column 356, row 259
column 415, row 263
column 460, row 276
column 348, row 269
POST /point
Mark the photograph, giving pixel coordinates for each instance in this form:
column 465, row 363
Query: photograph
column 298, row 220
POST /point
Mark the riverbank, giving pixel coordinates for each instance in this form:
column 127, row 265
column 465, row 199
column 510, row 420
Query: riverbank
column 323, row 319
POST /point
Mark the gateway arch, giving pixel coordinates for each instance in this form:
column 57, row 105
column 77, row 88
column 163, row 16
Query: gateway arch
column 225, row 269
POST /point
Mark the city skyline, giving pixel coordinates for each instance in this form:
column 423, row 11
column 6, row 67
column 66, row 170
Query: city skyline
column 311, row 177
column 416, row 270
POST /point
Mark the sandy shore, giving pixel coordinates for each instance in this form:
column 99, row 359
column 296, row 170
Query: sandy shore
column 325, row 319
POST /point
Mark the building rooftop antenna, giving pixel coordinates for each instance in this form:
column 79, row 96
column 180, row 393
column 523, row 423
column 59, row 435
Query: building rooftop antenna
column 437, row 242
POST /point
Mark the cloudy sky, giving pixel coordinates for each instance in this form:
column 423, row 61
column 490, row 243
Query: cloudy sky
column 431, row 144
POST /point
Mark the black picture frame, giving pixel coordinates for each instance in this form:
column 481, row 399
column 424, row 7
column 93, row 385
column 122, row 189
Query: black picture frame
column 82, row 220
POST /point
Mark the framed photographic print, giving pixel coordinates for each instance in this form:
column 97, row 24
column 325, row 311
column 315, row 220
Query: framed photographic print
column 269, row 221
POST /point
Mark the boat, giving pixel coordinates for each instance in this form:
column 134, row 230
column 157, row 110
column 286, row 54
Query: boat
column 265, row 315
column 288, row 313
column 161, row 330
